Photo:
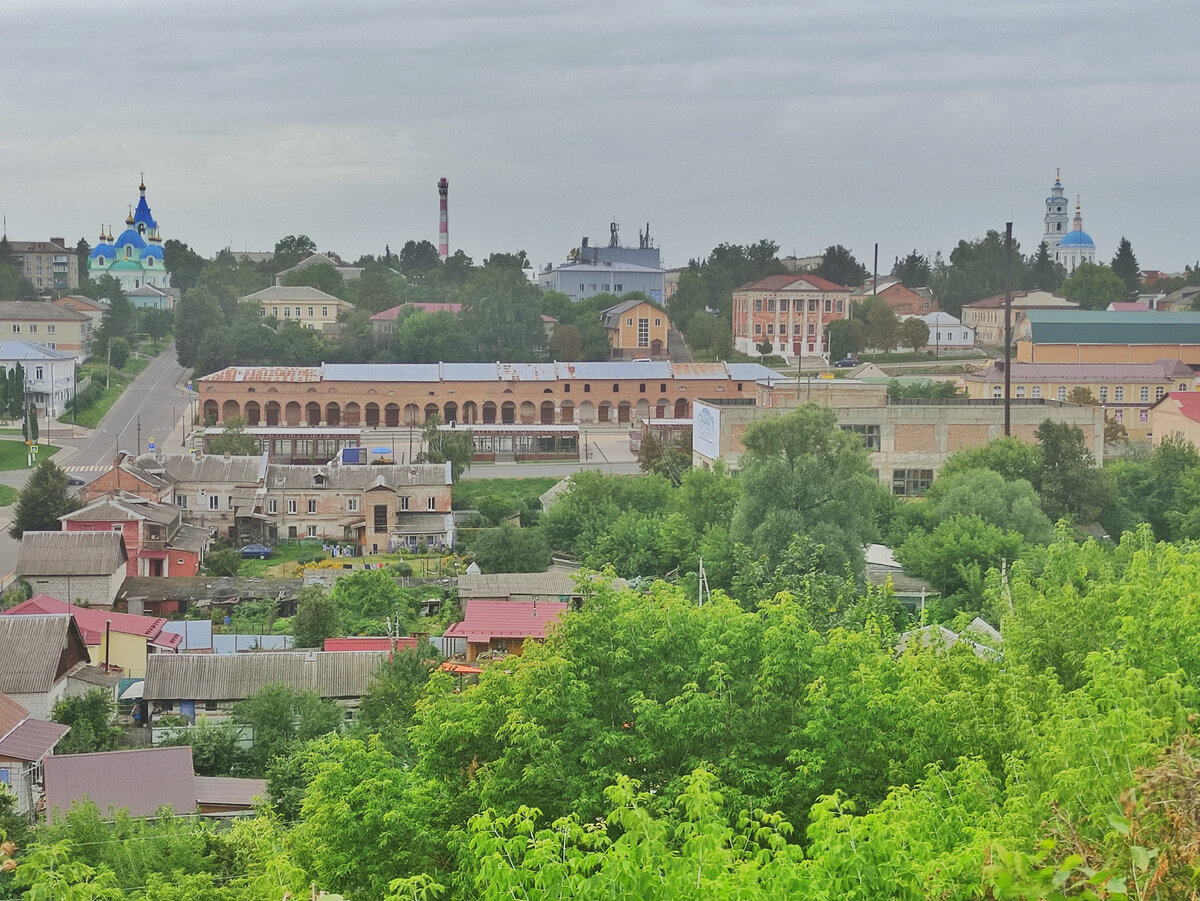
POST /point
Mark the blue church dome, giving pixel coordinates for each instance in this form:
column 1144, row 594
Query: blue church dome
column 1077, row 239
column 132, row 238
column 153, row 251
column 102, row 250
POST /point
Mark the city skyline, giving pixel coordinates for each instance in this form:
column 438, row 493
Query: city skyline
column 913, row 126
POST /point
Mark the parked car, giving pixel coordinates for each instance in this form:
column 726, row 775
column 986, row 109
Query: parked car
column 846, row 363
column 75, row 481
column 259, row 551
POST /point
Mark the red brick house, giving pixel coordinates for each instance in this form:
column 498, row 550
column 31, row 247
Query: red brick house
column 903, row 300
column 157, row 541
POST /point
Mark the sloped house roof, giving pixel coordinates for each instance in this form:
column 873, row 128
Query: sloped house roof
column 142, row 780
column 488, row 620
column 70, row 554
column 38, row 651
column 93, row 623
column 234, row 677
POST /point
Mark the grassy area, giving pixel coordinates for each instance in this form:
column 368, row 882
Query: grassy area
column 467, row 494
column 13, row 454
column 8, row 495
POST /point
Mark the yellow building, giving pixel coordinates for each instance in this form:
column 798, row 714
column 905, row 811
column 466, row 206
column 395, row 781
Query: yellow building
column 1176, row 416
column 636, row 328
column 987, row 316
column 1126, row 391
column 1093, row 336
column 301, row 303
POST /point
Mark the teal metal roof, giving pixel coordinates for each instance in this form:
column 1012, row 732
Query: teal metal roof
column 1100, row 327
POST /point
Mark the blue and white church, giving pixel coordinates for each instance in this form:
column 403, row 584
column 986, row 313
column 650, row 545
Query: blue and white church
column 135, row 258
column 1068, row 246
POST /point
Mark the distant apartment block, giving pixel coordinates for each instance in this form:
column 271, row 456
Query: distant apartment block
column 48, row 265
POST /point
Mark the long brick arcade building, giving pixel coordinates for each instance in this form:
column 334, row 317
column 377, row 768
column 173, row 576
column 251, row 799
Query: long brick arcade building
column 396, row 394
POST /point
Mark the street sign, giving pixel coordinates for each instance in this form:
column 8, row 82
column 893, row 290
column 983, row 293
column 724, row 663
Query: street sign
column 151, row 443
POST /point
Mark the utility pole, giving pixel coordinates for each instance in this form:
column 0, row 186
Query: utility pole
column 1007, row 329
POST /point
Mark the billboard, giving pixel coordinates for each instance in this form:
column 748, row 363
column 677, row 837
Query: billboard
column 706, row 430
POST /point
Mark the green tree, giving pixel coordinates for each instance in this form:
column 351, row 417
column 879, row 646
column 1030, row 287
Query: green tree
column 366, row 598
column 975, row 271
column 282, row 718
column 443, row 446
column 224, row 562
column 501, row 313
column 1011, row 457
column 1095, row 286
column 671, row 457
column 913, row 271
column 321, row 276
column 914, row 333
column 93, row 721
column 388, row 706
column 508, row 549
column 1125, row 267
column 198, row 312
column 291, row 250
column 802, row 475
column 882, row 327
column 1008, row 505
column 183, row 263
column 1070, row 484
column 45, row 497
column 567, row 343
column 215, row 747
column 118, row 352
column 417, row 258
column 839, row 266
column 317, row 617
column 1044, row 273
column 233, row 439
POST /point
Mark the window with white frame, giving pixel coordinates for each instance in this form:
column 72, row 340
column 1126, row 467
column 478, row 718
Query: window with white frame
column 1119, row 394
column 404, row 502
column 312, row 506
column 214, row 502
column 292, row 506
column 1062, row 392
column 1144, row 394
column 1035, row 391
column 351, row 505
column 272, row 506
column 431, row 504
column 310, row 531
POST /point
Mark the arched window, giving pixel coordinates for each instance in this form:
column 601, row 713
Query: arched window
column 1035, row 391
column 1104, row 394
column 1062, row 392
column 1144, row 394
column 1119, row 393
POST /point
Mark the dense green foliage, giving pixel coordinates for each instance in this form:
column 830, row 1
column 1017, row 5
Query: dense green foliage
column 45, row 497
column 93, row 721
column 653, row 748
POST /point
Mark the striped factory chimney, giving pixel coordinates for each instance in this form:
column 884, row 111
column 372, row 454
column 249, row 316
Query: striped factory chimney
column 443, row 221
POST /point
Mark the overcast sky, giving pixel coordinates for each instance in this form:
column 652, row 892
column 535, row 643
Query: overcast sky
column 911, row 123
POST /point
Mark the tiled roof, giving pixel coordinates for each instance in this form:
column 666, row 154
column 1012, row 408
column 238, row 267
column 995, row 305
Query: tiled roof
column 368, row 643
column 142, row 780
column 70, row 553
column 216, row 468
column 294, row 294
column 503, row 585
column 429, row 307
column 612, row 370
column 226, row 677
column 119, row 509
column 1160, row 371
column 24, row 350
column 37, row 311
column 1188, row 401
column 486, row 620
column 265, row 374
column 794, row 282
column 227, row 791
column 93, row 623
column 32, row 740
column 34, row 650
column 12, row 714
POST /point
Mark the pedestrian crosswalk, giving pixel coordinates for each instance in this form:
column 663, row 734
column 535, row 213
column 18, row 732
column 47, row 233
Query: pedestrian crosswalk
column 95, row 468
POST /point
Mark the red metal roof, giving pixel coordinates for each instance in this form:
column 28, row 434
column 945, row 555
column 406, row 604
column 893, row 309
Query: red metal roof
column 423, row 306
column 792, row 281
column 32, row 740
column 92, row 623
column 1189, row 403
column 12, row 714
column 142, row 780
column 265, row 374
column 368, row 643
column 486, row 620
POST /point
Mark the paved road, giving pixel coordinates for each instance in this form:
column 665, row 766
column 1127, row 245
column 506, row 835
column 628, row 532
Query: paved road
column 156, row 397
column 151, row 407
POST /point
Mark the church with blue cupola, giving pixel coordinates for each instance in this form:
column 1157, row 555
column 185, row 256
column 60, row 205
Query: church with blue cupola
column 135, row 257
column 1068, row 246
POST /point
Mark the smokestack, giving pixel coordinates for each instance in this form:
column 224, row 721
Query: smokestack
column 443, row 221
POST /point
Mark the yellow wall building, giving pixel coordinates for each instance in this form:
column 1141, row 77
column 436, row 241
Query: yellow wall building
column 309, row 307
column 1125, row 390
column 1091, row 336
column 636, row 328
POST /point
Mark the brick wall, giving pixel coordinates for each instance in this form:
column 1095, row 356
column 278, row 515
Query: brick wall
column 914, row 438
column 964, row 436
